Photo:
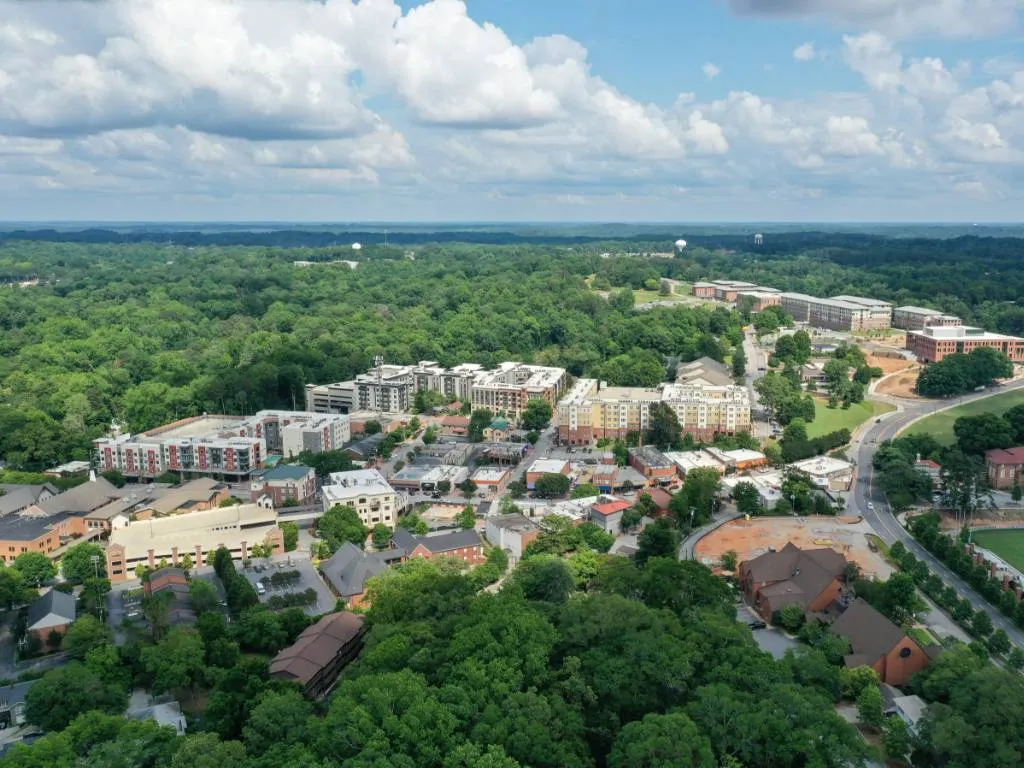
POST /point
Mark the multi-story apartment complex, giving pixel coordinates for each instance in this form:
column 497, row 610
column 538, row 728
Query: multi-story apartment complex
column 591, row 411
column 511, row 385
column 730, row 290
column 228, row 446
column 392, row 388
column 841, row 313
column 933, row 343
column 918, row 318
column 366, row 491
column 760, row 298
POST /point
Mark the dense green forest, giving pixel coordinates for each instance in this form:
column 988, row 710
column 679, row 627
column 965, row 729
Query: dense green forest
column 147, row 333
column 144, row 327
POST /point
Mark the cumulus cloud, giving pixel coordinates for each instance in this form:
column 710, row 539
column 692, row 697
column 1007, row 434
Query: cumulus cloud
column 805, row 52
column 901, row 18
column 204, row 100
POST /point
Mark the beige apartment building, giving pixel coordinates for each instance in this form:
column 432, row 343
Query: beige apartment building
column 393, row 388
column 367, row 492
column 840, row 313
column 591, row 411
column 919, row 318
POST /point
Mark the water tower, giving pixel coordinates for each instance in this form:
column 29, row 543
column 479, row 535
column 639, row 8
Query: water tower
column 357, row 246
column 758, row 239
column 680, row 245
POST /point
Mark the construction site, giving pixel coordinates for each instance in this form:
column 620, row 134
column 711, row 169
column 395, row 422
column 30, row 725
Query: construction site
column 846, row 535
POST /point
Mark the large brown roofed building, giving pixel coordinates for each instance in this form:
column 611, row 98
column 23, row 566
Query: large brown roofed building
column 319, row 654
column 812, row 579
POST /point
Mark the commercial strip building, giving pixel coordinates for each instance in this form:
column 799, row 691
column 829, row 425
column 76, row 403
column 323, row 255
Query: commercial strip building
column 237, row 528
column 934, row 343
column 840, row 313
column 591, row 410
column 366, row 491
column 911, row 318
column 233, row 447
column 393, row 388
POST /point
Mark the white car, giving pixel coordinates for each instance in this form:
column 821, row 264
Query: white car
column 871, row 505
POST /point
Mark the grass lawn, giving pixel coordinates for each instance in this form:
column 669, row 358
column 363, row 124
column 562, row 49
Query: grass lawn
column 833, row 419
column 940, row 425
column 922, row 636
column 1009, row 545
column 643, row 296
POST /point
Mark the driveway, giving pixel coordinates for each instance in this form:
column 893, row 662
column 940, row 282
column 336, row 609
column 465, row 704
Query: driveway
column 769, row 639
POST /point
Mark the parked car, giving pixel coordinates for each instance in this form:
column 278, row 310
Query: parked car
column 871, row 505
column 757, row 624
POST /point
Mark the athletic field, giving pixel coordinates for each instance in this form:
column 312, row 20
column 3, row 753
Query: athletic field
column 1009, row 545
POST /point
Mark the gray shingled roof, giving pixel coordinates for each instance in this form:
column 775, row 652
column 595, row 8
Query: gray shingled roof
column 445, row 542
column 82, row 498
column 871, row 634
column 348, row 569
column 54, row 609
column 287, row 472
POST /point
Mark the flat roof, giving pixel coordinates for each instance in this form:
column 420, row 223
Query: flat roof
column 198, row 427
column 490, row 474
column 862, row 300
column 209, row 528
column 822, row 465
column 357, row 482
column 548, row 466
column 965, row 332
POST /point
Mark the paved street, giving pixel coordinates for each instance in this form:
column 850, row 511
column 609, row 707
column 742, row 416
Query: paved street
column 881, row 517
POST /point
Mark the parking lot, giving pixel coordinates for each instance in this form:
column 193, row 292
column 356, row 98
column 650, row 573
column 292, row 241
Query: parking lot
column 262, row 569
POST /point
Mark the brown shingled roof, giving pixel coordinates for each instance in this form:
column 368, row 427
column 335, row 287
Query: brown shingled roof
column 317, row 646
column 871, row 634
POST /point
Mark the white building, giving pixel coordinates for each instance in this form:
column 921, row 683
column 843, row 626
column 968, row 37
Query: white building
column 366, row 491
column 826, row 472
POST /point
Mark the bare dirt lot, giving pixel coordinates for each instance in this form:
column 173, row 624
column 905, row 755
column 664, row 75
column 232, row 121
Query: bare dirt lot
column 846, row 535
column 901, row 376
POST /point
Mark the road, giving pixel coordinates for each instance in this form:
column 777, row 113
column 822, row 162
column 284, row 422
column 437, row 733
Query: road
column 757, row 364
column 881, row 517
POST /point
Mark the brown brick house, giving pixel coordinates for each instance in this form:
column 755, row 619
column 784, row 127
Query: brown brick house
column 811, row 578
column 878, row 643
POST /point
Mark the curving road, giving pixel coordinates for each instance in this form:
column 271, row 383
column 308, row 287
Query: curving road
column 881, row 517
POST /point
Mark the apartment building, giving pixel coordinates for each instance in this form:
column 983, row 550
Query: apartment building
column 591, row 410
column 933, row 343
column 366, row 491
column 510, row 386
column 731, row 290
column 237, row 528
column 392, row 388
column 760, row 299
column 841, row 313
column 919, row 318
column 229, row 446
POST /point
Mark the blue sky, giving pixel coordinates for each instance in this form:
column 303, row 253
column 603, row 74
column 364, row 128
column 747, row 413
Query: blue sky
column 336, row 110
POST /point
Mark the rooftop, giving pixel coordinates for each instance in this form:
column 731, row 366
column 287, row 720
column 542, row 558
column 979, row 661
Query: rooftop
column 961, row 332
column 82, row 498
column 201, row 489
column 286, row 472
column 357, row 482
column 490, row 474
column 209, row 528
column 861, row 300
column 53, row 609
column 911, row 310
column 822, row 465
column 1005, row 456
column 650, row 456
column 548, row 466
column 871, row 634
column 611, row 507
column 513, row 523
column 317, row 647
column 348, row 569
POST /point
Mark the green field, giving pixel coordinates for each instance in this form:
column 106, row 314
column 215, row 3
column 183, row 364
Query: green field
column 833, row 419
column 940, row 425
column 1009, row 545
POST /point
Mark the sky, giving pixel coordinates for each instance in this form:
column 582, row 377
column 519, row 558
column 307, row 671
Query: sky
column 512, row 110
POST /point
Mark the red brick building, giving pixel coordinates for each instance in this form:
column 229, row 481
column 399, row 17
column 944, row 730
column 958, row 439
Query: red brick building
column 932, row 344
column 652, row 464
column 878, row 643
column 461, row 545
column 812, row 579
column 1005, row 467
